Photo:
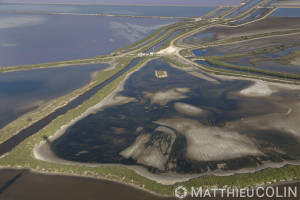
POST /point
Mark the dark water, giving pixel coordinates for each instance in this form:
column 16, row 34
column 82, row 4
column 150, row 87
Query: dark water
column 160, row 11
column 286, row 12
column 207, row 52
column 19, row 91
column 248, row 5
column 39, row 38
column 223, row 10
column 26, row 185
column 97, row 137
column 273, row 62
column 34, row 128
column 198, row 37
column 271, row 2
column 254, row 16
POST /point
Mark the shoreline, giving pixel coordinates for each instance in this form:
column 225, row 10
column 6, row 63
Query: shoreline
column 275, row 184
column 49, row 102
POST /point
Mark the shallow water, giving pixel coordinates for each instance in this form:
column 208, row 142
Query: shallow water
column 243, row 8
column 39, row 38
column 272, row 65
column 160, row 11
column 207, row 52
column 286, row 12
column 198, row 37
column 254, row 16
column 103, row 136
column 20, row 91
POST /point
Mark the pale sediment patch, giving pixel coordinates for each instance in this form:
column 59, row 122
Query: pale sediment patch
column 116, row 100
column 295, row 61
column 163, row 97
column 168, row 50
column 212, row 143
column 194, row 72
column 42, row 152
column 187, row 109
column 285, row 122
column 150, row 156
column 152, row 150
column 262, row 88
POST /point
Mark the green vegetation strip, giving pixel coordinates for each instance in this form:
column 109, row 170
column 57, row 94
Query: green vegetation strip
column 249, row 37
column 228, row 72
column 94, row 60
column 216, row 61
column 44, row 110
column 150, row 37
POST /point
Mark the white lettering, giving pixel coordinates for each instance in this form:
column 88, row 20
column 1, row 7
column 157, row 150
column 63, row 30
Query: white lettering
column 230, row 193
column 293, row 192
column 257, row 194
column 215, row 192
column 242, row 192
column 248, row 194
column 222, row 192
column 277, row 193
column 206, row 193
column 196, row 194
column 272, row 192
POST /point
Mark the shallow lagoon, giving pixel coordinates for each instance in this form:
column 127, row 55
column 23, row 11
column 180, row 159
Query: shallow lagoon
column 286, row 12
column 160, row 11
column 149, row 130
column 40, row 38
column 22, row 91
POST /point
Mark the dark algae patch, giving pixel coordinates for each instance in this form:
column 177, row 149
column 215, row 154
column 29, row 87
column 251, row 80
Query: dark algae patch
column 113, row 134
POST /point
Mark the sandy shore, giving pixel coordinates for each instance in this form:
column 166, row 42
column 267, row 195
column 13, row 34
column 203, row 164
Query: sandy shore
column 259, row 87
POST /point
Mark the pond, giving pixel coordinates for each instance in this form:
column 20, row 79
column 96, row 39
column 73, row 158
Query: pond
column 177, row 123
column 23, row 91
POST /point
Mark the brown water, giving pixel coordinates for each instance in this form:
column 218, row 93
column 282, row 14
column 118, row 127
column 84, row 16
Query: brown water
column 26, row 185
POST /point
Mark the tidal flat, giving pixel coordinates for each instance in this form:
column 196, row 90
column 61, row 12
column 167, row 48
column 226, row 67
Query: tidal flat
column 159, row 137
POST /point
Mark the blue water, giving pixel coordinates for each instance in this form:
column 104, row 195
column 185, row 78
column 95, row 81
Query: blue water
column 271, row 65
column 20, row 89
column 271, row 2
column 206, row 52
column 38, row 38
column 268, row 66
column 286, row 12
column 257, row 14
column 160, row 11
column 199, row 37
column 284, row 52
column 223, row 10
column 275, row 66
column 243, row 8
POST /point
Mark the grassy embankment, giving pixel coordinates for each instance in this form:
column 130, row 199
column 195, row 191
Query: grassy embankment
column 229, row 72
column 22, row 156
column 219, row 61
column 247, row 37
column 49, row 107
column 94, row 60
column 216, row 61
column 151, row 37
